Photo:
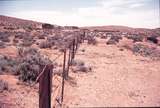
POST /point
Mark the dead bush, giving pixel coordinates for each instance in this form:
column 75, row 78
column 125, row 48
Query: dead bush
column 3, row 85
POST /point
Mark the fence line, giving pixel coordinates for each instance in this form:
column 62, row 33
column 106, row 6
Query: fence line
column 45, row 77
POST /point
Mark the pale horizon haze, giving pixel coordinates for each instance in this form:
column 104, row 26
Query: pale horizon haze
column 132, row 13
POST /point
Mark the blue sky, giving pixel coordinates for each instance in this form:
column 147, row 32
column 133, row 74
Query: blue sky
column 133, row 13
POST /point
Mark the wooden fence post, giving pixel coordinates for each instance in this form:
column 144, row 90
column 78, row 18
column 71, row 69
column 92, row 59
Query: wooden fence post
column 63, row 76
column 73, row 49
column 69, row 63
column 84, row 36
column 45, row 87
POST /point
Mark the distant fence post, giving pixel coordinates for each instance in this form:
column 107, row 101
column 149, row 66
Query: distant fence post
column 84, row 36
column 69, row 63
column 77, row 43
column 73, row 49
column 45, row 87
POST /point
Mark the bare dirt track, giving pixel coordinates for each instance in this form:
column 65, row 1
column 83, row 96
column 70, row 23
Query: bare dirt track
column 119, row 78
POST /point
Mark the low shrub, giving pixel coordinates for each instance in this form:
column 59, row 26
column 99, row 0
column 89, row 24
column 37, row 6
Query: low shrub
column 27, row 41
column 78, row 63
column 30, row 65
column 41, row 37
column 3, row 85
column 45, row 44
column 82, row 68
column 2, row 44
column 135, row 38
column 146, row 51
column 7, row 64
column 153, row 39
column 25, row 51
column 92, row 40
column 113, row 40
column 4, row 36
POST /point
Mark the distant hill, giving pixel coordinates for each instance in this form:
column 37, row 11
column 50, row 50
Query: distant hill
column 147, row 31
column 5, row 20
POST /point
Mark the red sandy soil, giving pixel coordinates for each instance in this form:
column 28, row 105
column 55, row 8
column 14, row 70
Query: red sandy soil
column 119, row 78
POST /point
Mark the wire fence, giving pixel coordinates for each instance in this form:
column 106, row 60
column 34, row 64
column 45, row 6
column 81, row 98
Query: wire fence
column 70, row 45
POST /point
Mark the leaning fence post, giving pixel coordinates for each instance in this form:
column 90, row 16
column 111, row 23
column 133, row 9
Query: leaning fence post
column 45, row 87
column 63, row 76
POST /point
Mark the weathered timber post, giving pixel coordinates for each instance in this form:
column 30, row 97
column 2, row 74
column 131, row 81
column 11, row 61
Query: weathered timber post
column 73, row 49
column 76, row 41
column 45, row 87
column 84, row 36
column 63, row 76
column 69, row 63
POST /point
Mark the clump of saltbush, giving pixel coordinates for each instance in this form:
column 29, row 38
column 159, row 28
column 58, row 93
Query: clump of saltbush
column 135, row 38
column 7, row 64
column 113, row 40
column 80, row 66
column 4, row 36
column 3, row 85
column 92, row 40
column 147, row 51
column 45, row 44
column 31, row 64
column 2, row 44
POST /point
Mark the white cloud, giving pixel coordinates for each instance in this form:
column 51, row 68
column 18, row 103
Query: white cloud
column 111, row 12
